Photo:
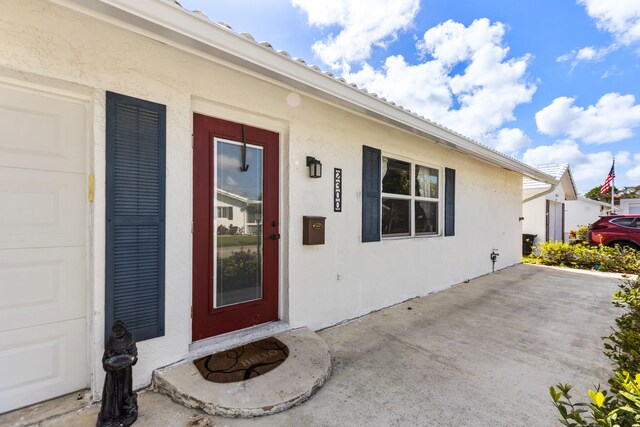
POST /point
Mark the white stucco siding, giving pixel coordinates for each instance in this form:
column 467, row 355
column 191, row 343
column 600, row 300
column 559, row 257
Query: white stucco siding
column 534, row 213
column 320, row 285
column 558, row 195
column 346, row 277
column 53, row 47
column 581, row 212
column 630, row 206
column 238, row 214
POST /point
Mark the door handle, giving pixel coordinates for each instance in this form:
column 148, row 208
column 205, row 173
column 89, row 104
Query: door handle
column 275, row 236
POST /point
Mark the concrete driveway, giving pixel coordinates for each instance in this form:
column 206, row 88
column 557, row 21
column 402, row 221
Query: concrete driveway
column 483, row 353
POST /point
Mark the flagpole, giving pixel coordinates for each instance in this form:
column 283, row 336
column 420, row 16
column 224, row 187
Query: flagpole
column 612, row 191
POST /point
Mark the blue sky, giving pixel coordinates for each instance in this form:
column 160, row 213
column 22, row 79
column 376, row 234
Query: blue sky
column 544, row 81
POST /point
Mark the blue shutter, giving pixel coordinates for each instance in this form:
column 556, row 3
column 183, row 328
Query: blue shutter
column 449, row 202
column 371, row 158
column 135, row 214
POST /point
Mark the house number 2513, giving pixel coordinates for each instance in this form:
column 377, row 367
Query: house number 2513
column 337, row 190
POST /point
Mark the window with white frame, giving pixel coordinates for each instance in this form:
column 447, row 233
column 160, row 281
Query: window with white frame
column 410, row 198
column 225, row 212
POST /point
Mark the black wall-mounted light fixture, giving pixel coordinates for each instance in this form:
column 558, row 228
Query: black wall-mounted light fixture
column 315, row 167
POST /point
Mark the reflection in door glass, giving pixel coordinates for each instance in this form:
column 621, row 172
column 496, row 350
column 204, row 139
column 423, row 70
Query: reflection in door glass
column 237, row 224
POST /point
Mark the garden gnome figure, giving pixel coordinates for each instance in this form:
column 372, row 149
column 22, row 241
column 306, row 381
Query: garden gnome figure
column 119, row 401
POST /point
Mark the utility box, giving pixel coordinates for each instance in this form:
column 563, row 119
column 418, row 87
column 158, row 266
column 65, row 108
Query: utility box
column 313, row 230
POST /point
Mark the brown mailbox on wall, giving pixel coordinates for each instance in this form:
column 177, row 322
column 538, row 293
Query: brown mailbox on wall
column 313, row 230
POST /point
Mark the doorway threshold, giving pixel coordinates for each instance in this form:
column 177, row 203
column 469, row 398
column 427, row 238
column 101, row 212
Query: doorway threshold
column 236, row 338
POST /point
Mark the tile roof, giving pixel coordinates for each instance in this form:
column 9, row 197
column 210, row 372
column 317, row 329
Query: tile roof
column 556, row 170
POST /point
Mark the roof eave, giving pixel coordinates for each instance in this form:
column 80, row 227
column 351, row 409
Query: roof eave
column 595, row 202
column 171, row 24
column 572, row 194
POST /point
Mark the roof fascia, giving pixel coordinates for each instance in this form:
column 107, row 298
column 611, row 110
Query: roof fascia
column 169, row 23
column 527, row 196
column 571, row 185
column 595, row 202
column 568, row 186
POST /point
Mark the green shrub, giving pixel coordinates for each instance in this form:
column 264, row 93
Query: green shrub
column 621, row 409
column 584, row 256
column 581, row 233
column 238, row 269
column 623, row 345
column 620, row 406
column 231, row 230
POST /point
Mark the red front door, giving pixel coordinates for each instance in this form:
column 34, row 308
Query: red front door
column 236, row 226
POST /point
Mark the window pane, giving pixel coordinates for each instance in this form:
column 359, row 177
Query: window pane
column 426, row 217
column 238, row 250
column 426, row 182
column 396, row 217
column 396, row 176
column 624, row 222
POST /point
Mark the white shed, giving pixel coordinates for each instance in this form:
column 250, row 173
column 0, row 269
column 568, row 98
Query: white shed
column 543, row 205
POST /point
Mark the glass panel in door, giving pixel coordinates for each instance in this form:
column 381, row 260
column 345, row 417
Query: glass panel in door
column 237, row 224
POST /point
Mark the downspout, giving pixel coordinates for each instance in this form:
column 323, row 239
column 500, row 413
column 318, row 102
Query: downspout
column 544, row 193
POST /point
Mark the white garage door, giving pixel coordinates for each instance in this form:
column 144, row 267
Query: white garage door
column 634, row 208
column 43, row 227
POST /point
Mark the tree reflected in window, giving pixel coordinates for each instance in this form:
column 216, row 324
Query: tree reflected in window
column 409, row 207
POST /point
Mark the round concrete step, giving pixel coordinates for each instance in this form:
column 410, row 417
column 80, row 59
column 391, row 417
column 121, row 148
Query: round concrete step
column 305, row 370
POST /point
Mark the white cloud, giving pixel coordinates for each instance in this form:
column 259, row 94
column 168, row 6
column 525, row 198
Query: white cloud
column 363, row 23
column 611, row 72
column 619, row 17
column 588, row 169
column 423, row 88
column 612, row 119
column 634, row 173
column 466, row 82
column 228, row 162
column 566, row 151
column 508, row 140
column 585, row 54
column 451, row 42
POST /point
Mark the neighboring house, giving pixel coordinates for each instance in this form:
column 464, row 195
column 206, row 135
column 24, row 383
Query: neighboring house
column 543, row 204
column 581, row 212
column 233, row 210
column 126, row 124
column 630, row 206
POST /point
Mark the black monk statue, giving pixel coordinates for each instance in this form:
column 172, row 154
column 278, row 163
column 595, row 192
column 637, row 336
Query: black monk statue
column 119, row 401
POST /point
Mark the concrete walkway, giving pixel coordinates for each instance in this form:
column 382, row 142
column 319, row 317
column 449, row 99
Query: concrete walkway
column 483, row 353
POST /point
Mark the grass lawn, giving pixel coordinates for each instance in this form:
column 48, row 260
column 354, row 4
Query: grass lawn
column 242, row 240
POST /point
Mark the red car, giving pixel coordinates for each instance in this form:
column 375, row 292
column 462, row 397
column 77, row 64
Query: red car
column 611, row 230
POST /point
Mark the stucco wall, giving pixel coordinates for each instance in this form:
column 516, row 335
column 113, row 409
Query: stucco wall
column 630, row 206
column 558, row 195
column 580, row 213
column 346, row 277
column 534, row 213
column 320, row 285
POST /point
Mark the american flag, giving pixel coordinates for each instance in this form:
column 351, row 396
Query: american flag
column 607, row 182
